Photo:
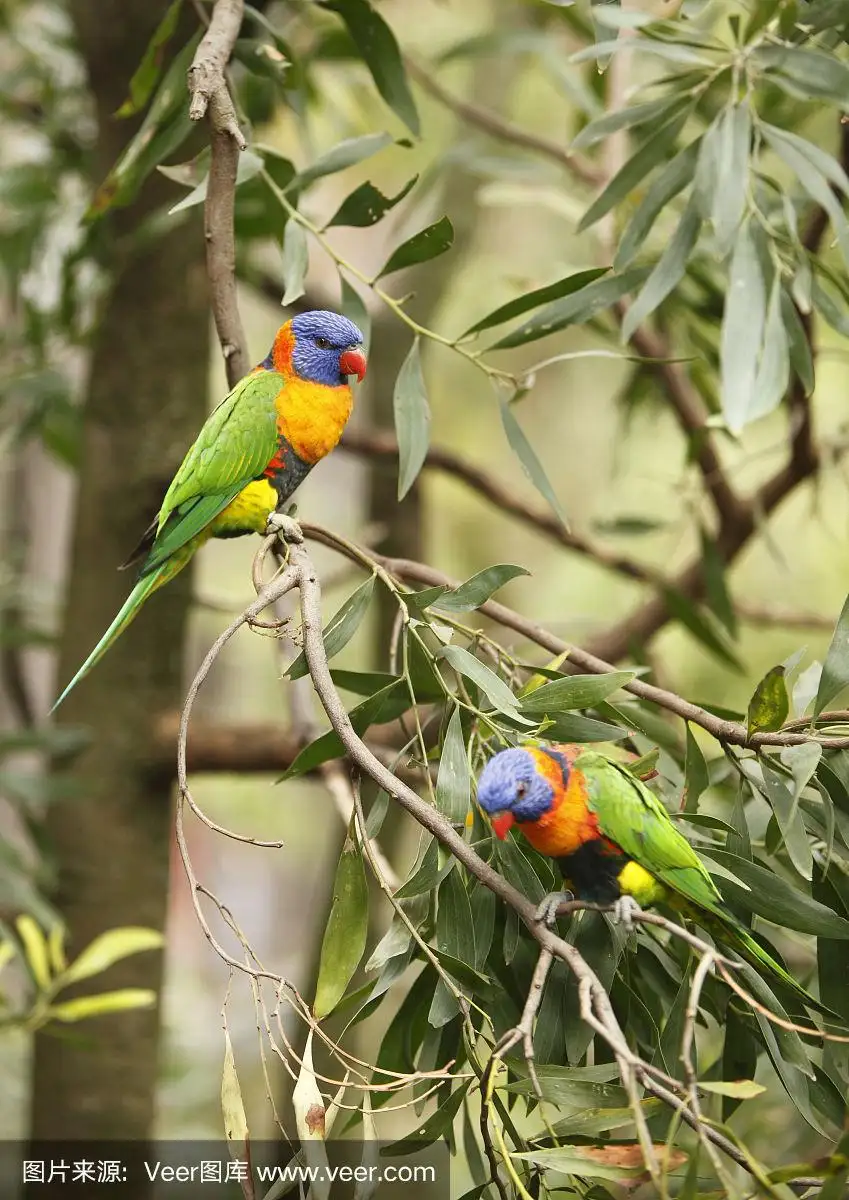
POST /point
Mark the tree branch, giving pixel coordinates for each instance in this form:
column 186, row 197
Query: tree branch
column 383, row 445
column 211, row 96
column 504, row 131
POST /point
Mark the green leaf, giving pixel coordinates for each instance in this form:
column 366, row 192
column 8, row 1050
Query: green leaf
column 674, row 177
column 249, row 165
column 379, row 51
column 807, row 74
column 149, row 69
column 367, row 205
column 232, row 1105
column 673, row 52
column 296, row 259
column 773, row 375
column 695, row 772
column 35, row 950
column 575, row 691
column 345, row 154
column 713, row 569
column 807, row 171
column 571, row 727
column 526, row 455
column 801, row 359
column 770, row 704
column 743, row 322
column 384, row 705
column 653, row 151
column 771, row 897
column 340, row 628
column 522, row 304
column 165, row 127
column 738, row 1089
column 428, row 875
column 668, row 272
column 421, row 247
column 575, row 1088
column 784, row 802
column 434, row 1128
column 592, row 1121
column 106, row 1002
column 683, row 610
column 455, row 935
column 412, row 419
column 453, row 787
column 347, row 928
column 109, row 948
column 733, row 141
column 574, row 309
column 627, row 118
column 480, row 587
column 493, row 687
column 835, row 670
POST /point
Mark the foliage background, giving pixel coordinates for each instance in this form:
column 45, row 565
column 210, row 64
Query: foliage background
column 602, row 427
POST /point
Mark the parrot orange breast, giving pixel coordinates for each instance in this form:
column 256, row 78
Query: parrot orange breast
column 570, row 822
column 311, row 417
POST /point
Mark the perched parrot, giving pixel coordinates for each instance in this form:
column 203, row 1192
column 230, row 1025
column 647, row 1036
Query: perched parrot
column 613, row 841
column 256, row 447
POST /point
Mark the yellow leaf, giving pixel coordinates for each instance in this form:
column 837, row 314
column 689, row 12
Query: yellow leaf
column 35, row 949
column 105, row 1002
column 109, row 948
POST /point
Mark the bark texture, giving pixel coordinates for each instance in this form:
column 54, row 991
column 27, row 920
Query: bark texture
column 146, row 401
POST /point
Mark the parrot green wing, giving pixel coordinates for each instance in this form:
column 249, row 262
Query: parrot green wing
column 630, row 815
column 233, row 448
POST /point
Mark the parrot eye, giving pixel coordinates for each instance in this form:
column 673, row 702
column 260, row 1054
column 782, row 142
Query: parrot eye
column 521, row 790
column 322, row 343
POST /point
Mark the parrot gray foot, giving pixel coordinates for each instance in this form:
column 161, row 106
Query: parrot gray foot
column 547, row 911
column 285, row 527
column 624, row 910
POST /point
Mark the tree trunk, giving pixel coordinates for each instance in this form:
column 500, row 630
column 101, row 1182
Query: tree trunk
column 146, row 400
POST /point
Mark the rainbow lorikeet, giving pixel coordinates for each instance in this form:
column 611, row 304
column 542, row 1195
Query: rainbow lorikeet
column 256, row 447
column 613, row 840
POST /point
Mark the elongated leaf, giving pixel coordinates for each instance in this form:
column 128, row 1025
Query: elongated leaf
column 769, row 896
column 345, row 154
column 742, row 332
column 544, row 295
column 713, row 567
column 572, row 727
column 249, row 165
column 683, row 610
column 480, row 587
column 428, row 875
column 695, row 773
column 835, row 670
column 367, row 205
column 421, row 247
column 35, row 949
column 672, row 179
column 109, row 948
column 576, row 308
column 773, row 375
column 434, row 1128
column 668, row 272
column 770, row 704
column 295, row 261
column 732, row 154
column 494, row 688
column 576, row 1088
column 384, row 705
column 652, row 152
column 232, row 1104
column 412, row 420
column 673, row 52
column 784, row 802
column 379, row 50
column 627, row 118
column 815, row 184
column 807, row 73
column 455, row 936
column 146, row 74
column 526, row 455
column 345, row 936
column 105, row 1002
column 575, row 691
column 453, row 786
column 340, row 628
column 737, row 1089
column 801, row 359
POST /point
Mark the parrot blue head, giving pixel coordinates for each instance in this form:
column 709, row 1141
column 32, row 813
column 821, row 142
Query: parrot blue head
column 511, row 788
column 322, row 347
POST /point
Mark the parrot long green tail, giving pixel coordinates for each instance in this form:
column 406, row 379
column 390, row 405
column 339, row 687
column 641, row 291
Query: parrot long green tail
column 739, row 938
column 129, row 610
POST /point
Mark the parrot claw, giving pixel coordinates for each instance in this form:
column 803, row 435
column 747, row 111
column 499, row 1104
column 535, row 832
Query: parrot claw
column 285, row 527
column 624, row 910
column 547, row 911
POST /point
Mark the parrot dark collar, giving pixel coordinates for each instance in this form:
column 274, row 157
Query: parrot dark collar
column 562, row 762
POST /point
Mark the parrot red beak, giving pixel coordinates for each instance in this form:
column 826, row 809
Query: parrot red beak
column 353, row 362
column 502, row 823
